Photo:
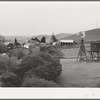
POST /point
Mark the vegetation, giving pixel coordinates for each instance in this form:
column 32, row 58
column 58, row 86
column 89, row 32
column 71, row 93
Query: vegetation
column 51, row 50
column 38, row 82
column 18, row 52
column 21, row 68
column 3, row 48
column 53, row 38
column 42, row 65
column 10, row 79
column 43, row 40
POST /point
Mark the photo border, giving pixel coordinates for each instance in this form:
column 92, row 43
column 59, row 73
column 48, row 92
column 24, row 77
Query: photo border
column 53, row 93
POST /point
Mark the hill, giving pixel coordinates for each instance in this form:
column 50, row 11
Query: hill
column 23, row 39
column 20, row 39
column 90, row 35
column 48, row 37
column 62, row 35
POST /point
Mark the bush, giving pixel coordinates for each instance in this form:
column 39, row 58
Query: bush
column 3, row 67
column 37, row 82
column 52, row 50
column 42, row 65
column 10, row 79
column 19, row 53
column 34, row 48
column 3, row 48
column 7, row 63
column 10, row 46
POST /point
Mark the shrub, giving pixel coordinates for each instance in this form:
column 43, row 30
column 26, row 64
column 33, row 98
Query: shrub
column 10, row 46
column 3, row 67
column 43, row 65
column 10, row 79
column 34, row 48
column 19, row 52
column 38, row 82
column 7, row 63
column 29, row 62
column 52, row 50
column 3, row 48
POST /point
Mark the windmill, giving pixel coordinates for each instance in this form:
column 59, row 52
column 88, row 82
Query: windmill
column 82, row 52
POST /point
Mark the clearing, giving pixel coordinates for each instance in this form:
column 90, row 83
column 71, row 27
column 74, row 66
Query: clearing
column 76, row 74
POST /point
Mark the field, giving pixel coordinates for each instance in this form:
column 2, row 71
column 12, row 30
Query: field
column 76, row 74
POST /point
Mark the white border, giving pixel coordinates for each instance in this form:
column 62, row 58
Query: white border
column 49, row 93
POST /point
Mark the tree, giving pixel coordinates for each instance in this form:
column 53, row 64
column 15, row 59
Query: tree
column 15, row 40
column 43, row 40
column 16, row 43
column 10, row 46
column 53, row 38
column 42, row 65
column 3, row 48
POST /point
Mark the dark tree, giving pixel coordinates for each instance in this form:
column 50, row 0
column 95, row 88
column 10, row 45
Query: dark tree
column 53, row 38
column 35, row 39
column 15, row 40
column 16, row 43
column 43, row 40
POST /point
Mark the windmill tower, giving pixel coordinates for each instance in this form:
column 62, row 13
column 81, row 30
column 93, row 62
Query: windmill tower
column 82, row 53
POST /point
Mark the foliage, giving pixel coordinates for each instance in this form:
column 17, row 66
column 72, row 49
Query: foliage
column 33, row 48
column 3, row 67
column 19, row 53
column 42, row 65
column 38, row 82
column 10, row 46
column 53, row 38
column 15, row 40
column 3, row 48
column 16, row 43
column 10, row 79
column 43, row 40
column 7, row 63
column 4, row 60
column 52, row 50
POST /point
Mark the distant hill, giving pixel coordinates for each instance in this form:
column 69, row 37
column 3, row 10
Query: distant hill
column 48, row 37
column 90, row 35
column 23, row 39
column 20, row 39
column 62, row 35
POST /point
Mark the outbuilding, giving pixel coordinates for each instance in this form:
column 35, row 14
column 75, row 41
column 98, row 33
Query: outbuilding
column 66, row 42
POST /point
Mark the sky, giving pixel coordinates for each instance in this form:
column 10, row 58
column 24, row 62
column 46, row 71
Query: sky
column 29, row 18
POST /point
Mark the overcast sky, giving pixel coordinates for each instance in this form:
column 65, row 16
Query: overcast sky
column 34, row 18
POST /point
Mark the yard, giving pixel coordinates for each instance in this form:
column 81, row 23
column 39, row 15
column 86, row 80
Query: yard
column 76, row 74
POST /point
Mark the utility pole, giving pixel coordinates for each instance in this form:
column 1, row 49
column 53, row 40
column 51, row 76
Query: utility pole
column 97, row 24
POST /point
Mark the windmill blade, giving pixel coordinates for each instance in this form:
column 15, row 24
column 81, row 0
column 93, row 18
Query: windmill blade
column 83, row 34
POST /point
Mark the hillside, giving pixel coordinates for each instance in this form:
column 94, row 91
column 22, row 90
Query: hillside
column 62, row 35
column 23, row 39
column 90, row 35
column 20, row 39
column 48, row 37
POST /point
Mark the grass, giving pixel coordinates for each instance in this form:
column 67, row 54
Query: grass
column 77, row 74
